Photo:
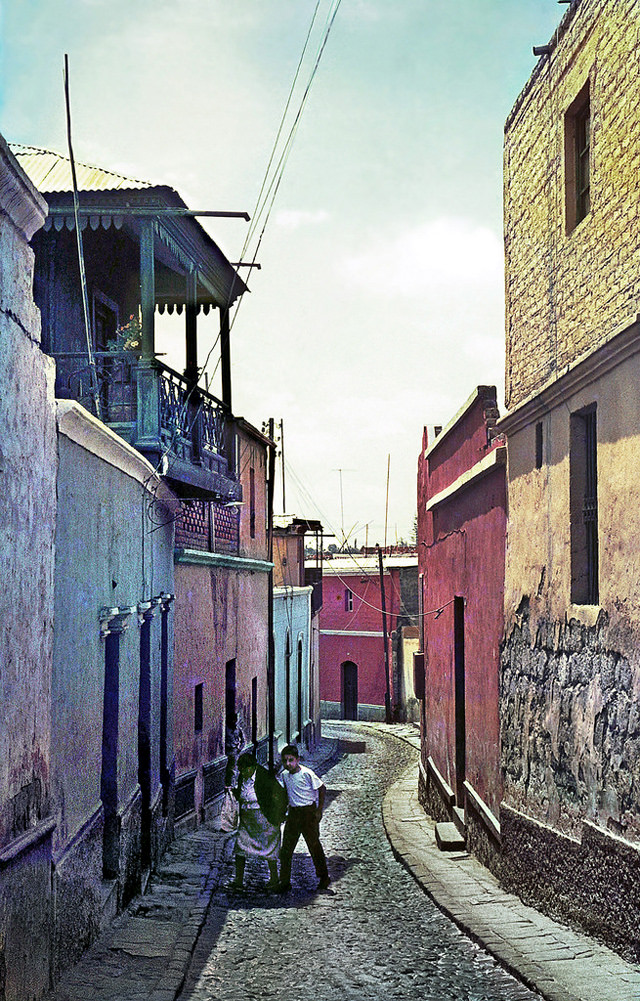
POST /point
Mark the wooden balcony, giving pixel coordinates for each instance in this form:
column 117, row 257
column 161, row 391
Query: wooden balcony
column 184, row 431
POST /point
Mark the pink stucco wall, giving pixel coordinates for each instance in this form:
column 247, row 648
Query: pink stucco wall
column 367, row 652
column 461, row 552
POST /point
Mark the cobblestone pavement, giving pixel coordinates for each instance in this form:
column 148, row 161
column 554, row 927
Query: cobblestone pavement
column 374, row 935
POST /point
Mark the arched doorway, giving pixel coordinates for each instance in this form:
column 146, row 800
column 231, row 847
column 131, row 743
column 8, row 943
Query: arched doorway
column 349, row 690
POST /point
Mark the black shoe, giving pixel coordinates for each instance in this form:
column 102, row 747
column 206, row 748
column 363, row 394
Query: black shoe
column 324, row 883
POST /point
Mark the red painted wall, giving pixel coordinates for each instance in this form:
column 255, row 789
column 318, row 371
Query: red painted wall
column 365, row 651
column 461, row 552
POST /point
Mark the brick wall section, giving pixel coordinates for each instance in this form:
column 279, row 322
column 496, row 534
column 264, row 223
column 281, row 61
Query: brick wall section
column 567, row 292
column 193, row 527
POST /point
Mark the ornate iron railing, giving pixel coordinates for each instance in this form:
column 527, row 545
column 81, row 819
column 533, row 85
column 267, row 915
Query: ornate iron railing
column 192, row 421
column 192, row 417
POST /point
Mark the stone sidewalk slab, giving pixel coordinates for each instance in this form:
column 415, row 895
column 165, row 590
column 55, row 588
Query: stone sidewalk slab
column 145, row 953
column 557, row 961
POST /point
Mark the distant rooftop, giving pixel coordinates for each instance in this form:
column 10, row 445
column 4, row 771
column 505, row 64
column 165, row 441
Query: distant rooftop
column 51, row 171
column 351, row 565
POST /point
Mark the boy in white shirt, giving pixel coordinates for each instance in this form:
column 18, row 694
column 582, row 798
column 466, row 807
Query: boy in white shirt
column 306, row 793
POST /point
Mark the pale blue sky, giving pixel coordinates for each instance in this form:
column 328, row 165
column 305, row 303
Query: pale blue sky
column 379, row 306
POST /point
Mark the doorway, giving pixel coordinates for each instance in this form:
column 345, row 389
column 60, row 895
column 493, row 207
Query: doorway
column 349, row 690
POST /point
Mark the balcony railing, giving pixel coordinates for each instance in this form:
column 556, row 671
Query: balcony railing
column 159, row 412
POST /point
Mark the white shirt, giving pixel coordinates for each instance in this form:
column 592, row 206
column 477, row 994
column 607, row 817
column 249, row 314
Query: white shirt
column 302, row 786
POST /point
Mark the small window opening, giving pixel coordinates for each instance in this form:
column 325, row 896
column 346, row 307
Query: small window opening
column 252, row 502
column 583, row 499
column 348, row 600
column 197, row 709
column 578, row 159
column 539, row 443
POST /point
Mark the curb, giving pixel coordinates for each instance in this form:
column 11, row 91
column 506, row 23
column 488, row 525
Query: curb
column 552, row 959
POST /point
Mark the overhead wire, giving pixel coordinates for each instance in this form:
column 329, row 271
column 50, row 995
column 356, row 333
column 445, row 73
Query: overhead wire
column 264, row 203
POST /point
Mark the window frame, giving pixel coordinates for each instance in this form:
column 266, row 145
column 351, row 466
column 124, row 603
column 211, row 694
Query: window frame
column 578, row 159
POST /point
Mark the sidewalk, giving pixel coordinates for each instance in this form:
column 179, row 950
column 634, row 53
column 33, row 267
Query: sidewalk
column 549, row 957
column 145, row 954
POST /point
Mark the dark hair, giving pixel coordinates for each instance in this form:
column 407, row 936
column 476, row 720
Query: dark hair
column 247, row 759
column 290, row 749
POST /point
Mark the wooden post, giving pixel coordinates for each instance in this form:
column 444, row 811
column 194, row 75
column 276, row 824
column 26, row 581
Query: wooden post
column 147, row 288
column 191, row 329
column 225, row 353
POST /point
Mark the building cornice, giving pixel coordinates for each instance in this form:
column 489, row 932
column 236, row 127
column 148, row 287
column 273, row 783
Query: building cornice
column 203, row 558
column 292, row 589
column 497, row 457
column 81, row 427
column 485, row 393
column 624, row 344
column 19, row 198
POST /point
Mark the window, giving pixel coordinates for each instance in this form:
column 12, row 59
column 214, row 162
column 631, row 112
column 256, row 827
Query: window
column 197, row 709
column 252, row 502
column 539, row 444
column 583, row 501
column 577, row 159
column 348, row 600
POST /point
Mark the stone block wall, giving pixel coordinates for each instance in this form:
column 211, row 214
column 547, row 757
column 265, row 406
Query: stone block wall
column 569, row 289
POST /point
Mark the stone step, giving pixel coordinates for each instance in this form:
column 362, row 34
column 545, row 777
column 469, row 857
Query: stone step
column 459, row 820
column 449, row 839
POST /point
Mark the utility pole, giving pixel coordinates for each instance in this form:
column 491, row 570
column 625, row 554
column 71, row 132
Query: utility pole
column 284, row 502
column 386, row 507
column 387, row 697
column 341, row 471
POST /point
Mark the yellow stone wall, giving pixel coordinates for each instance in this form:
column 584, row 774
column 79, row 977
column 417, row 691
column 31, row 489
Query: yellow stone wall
column 568, row 292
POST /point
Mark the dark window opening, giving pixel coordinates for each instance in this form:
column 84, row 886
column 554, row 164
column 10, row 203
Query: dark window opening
column 578, row 159
column 583, row 501
column 300, row 674
column 287, row 678
column 348, row 600
column 230, row 687
column 197, row 709
column 539, row 443
column 252, row 503
column 254, row 712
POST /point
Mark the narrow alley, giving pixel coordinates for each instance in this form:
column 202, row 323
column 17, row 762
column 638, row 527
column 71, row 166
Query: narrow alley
column 374, row 935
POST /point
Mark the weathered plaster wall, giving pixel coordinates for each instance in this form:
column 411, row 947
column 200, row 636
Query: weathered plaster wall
column 567, row 291
column 571, row 673
column 461, row 553
column 109, row 553
column 27, row 526
column 27, row 517
column 366, row 651
column 292, row 616
column 220, row 615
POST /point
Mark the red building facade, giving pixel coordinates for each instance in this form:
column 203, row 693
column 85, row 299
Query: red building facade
column 461, row 534
column 353, row 675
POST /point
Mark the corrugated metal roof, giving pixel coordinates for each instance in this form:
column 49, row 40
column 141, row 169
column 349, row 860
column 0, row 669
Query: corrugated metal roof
column 51, row 171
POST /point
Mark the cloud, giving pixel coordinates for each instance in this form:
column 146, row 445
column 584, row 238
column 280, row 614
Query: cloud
column 441, row 255
column 296, row 218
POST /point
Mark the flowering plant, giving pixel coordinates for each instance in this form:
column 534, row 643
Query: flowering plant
column 128, row 336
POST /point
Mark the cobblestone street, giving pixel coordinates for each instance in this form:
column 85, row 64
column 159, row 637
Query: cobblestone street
column 375, row 935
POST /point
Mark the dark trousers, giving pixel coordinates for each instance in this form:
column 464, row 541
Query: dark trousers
column 302, row 820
